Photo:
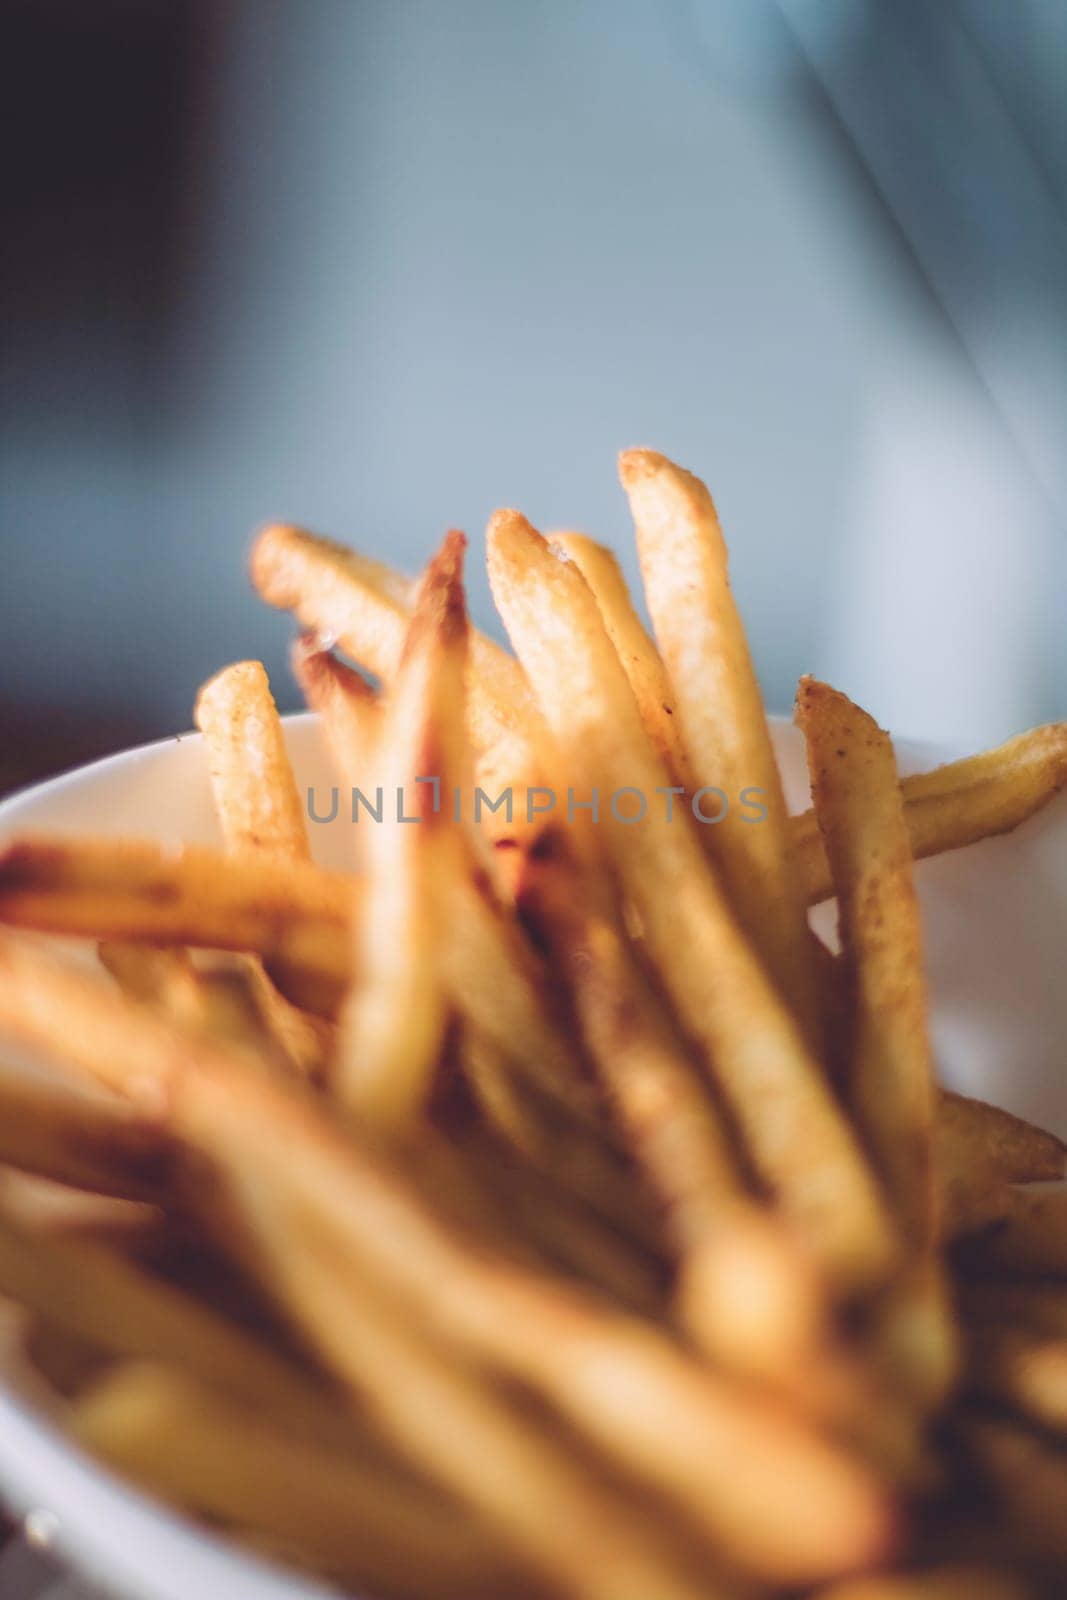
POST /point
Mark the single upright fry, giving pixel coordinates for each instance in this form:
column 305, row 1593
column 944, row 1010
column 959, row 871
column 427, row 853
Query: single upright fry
column 957, row 804
column 258, row 808
column 720, row 708
column 255, row 792
column 640, row 659
column 394, row 1019
column 347, row 707
column 891, row 1079
column 796, row 1135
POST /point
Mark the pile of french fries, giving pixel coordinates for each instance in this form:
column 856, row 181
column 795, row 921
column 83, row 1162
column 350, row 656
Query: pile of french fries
column 540, row 1208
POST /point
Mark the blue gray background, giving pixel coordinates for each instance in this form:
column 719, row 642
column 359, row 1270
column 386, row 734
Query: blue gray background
column 379, row 267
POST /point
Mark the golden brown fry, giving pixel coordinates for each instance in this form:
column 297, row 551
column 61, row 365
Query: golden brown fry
column 258, row 807
column 291, row 913
column 571, row 1152
column 669, row 1424
column 639, row 656
column 1020, row 1151
column 1040, row 1307
column 1031, row 1239
column 772, row 1326
column 347, row 707
column 394, row 1020
column 1023, row 1369
column 890, row 1077
column 957, row 804
column 795, row 1134
column 362, row 606
column 954, row 1581
column 720, row 708
column 325, row 1508
column 88, row 1140
column 456, row 1429
column 256, row 798
column 1029, row 1478
column 93, row 1293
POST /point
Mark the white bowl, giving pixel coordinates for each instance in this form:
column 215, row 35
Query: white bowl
column 995, row 917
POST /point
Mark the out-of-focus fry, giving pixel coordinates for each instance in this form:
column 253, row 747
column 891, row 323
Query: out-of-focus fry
column 362, row 606
column 795, row 1133
column 1029, row 1478
column 891, row 1080
column 542, row 1502
column 957, row 804
column 163, row 975
column 93, row 1293
column 573, row 1153
column 1023, row 1369
column 395, row 1016
column 89, row 1140
column 720, row 708
column 347, row 707
column 1041, row 1307
column 955, row 1581
column 331, row 1510
column 293, row 914
column 682, row 1432
column 771, row 1327
column 256, row 798
column 1031, row 1239
column 640, row 659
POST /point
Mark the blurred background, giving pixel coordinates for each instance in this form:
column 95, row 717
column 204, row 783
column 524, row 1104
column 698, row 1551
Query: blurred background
column 378, row 266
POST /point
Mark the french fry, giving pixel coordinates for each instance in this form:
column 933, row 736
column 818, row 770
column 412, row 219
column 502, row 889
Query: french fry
column 891, row 1080
column 293, row 914
column 330, row 1510
column 795, row 1134
column 94, row 1294
column 952, row 1581
column 639, row 656
column 1030, row 1240
column 347, row 707
column 1023, row 1369
column 722, row 1238
column 539, row 1499
column 1029, row 1479
column 363, row 607
column 958, row 804
column 256, row 798
column 1039, row 1307
column 720, row 709
column 258, row 808
column 1020, row 1151
column 394, row 1021
column 86, row 1140
column 575, row 1155
column 680, row 1431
